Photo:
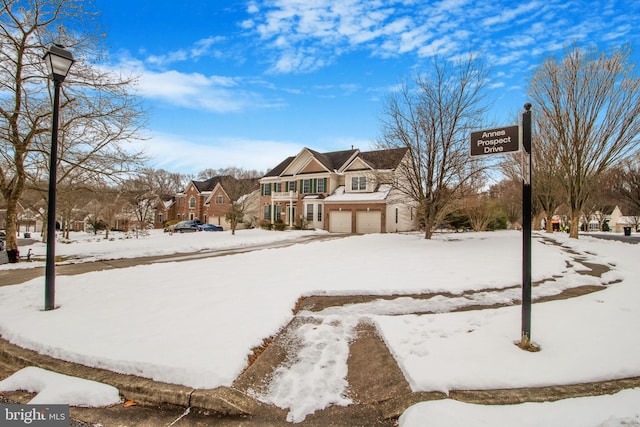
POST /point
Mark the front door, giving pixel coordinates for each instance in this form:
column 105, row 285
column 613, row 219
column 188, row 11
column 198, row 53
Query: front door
column 291, row 215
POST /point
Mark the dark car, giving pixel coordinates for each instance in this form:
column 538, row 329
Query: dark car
column 187, row 226
column 209, row 227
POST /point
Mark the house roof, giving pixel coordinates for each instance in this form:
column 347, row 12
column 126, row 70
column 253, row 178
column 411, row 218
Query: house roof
column 384, row 159
column 337, row 160
column 281, row 167
column 340, row 195
column 207, row 185
column 210, row 184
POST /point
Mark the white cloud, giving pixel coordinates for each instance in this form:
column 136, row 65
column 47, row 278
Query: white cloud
column 510, row 14
column 220, row 94
column 200, row 48
column 176, row 153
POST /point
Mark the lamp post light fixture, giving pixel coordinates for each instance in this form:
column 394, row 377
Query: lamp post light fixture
column 58, row 62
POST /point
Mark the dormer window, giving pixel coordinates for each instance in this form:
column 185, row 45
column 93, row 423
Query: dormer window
column 359, row 183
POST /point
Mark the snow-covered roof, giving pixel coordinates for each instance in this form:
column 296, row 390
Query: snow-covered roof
column 628, row 220
column 340, row 195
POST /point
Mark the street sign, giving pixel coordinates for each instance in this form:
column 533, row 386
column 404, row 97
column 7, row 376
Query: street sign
column 495, row 141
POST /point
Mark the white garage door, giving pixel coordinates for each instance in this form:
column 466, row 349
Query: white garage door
column 340, row 222
column 368, row 222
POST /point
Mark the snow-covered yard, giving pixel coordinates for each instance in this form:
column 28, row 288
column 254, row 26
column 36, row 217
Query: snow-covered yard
column 195, row 322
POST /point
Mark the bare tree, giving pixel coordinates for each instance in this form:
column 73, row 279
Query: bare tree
column 239, row 187
column 548, row 173
column 588, row 106
column 140, row 195
column 228, row 171
column 163, row 183
column 625, row 185
column 508, row 194
column 481, row 210
column 97, row 111
column 433, row 120
column 72, row 201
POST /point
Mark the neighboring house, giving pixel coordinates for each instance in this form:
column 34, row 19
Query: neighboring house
column 28, row 220
column 209, row 202
column 632, row 221
column 343, row 191
column 164, row 210
column 595, row 220
column 614, row 218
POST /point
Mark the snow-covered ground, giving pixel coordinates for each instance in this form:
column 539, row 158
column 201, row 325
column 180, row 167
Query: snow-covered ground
column 195, row 322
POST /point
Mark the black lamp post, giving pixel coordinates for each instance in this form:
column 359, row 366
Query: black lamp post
column 58, row 62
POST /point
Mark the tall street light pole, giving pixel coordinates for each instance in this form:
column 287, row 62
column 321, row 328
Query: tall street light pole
column 526, row 230
column 58, row 62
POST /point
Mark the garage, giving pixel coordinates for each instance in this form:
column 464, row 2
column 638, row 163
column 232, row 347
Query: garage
column 369, row 222
column 340, row 221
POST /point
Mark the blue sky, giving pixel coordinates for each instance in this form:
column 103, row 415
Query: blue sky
column 249, row 83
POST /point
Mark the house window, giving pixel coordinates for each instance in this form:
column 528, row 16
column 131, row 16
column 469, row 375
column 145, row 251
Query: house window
column 396, row 215
column 278, row 212
column 306, row 186
column 266, row 212
column 192, row 202
column 291, row 186
column 277, row 187
column 321, row 185
column 220, row 199
column 358, row 183
column 319, row 213
column 266, row 189
column 309, row 212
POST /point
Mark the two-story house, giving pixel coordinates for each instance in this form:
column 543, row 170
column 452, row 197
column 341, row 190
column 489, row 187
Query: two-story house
column 343, row 191
column 209, row 201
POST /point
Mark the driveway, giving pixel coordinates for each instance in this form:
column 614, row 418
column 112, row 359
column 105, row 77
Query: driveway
column 15, row 276
column 634, row 238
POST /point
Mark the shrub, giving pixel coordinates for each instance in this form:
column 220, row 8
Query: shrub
column 265, row 225
column 279, row 225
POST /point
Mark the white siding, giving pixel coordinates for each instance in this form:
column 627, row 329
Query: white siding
column 404, row 219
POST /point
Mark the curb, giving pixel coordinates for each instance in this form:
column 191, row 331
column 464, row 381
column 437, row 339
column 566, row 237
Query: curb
column 221, row 400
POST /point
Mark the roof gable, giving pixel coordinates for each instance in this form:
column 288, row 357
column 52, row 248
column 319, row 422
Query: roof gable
column 310, row 161
column 313, row 166
column 357, row 165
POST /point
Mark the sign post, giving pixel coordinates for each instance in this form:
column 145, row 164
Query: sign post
column 525, row 342
column 507, row 140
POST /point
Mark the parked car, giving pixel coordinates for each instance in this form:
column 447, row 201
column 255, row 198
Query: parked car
column 3, row 235
column 209, row 227
column 187, row 226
